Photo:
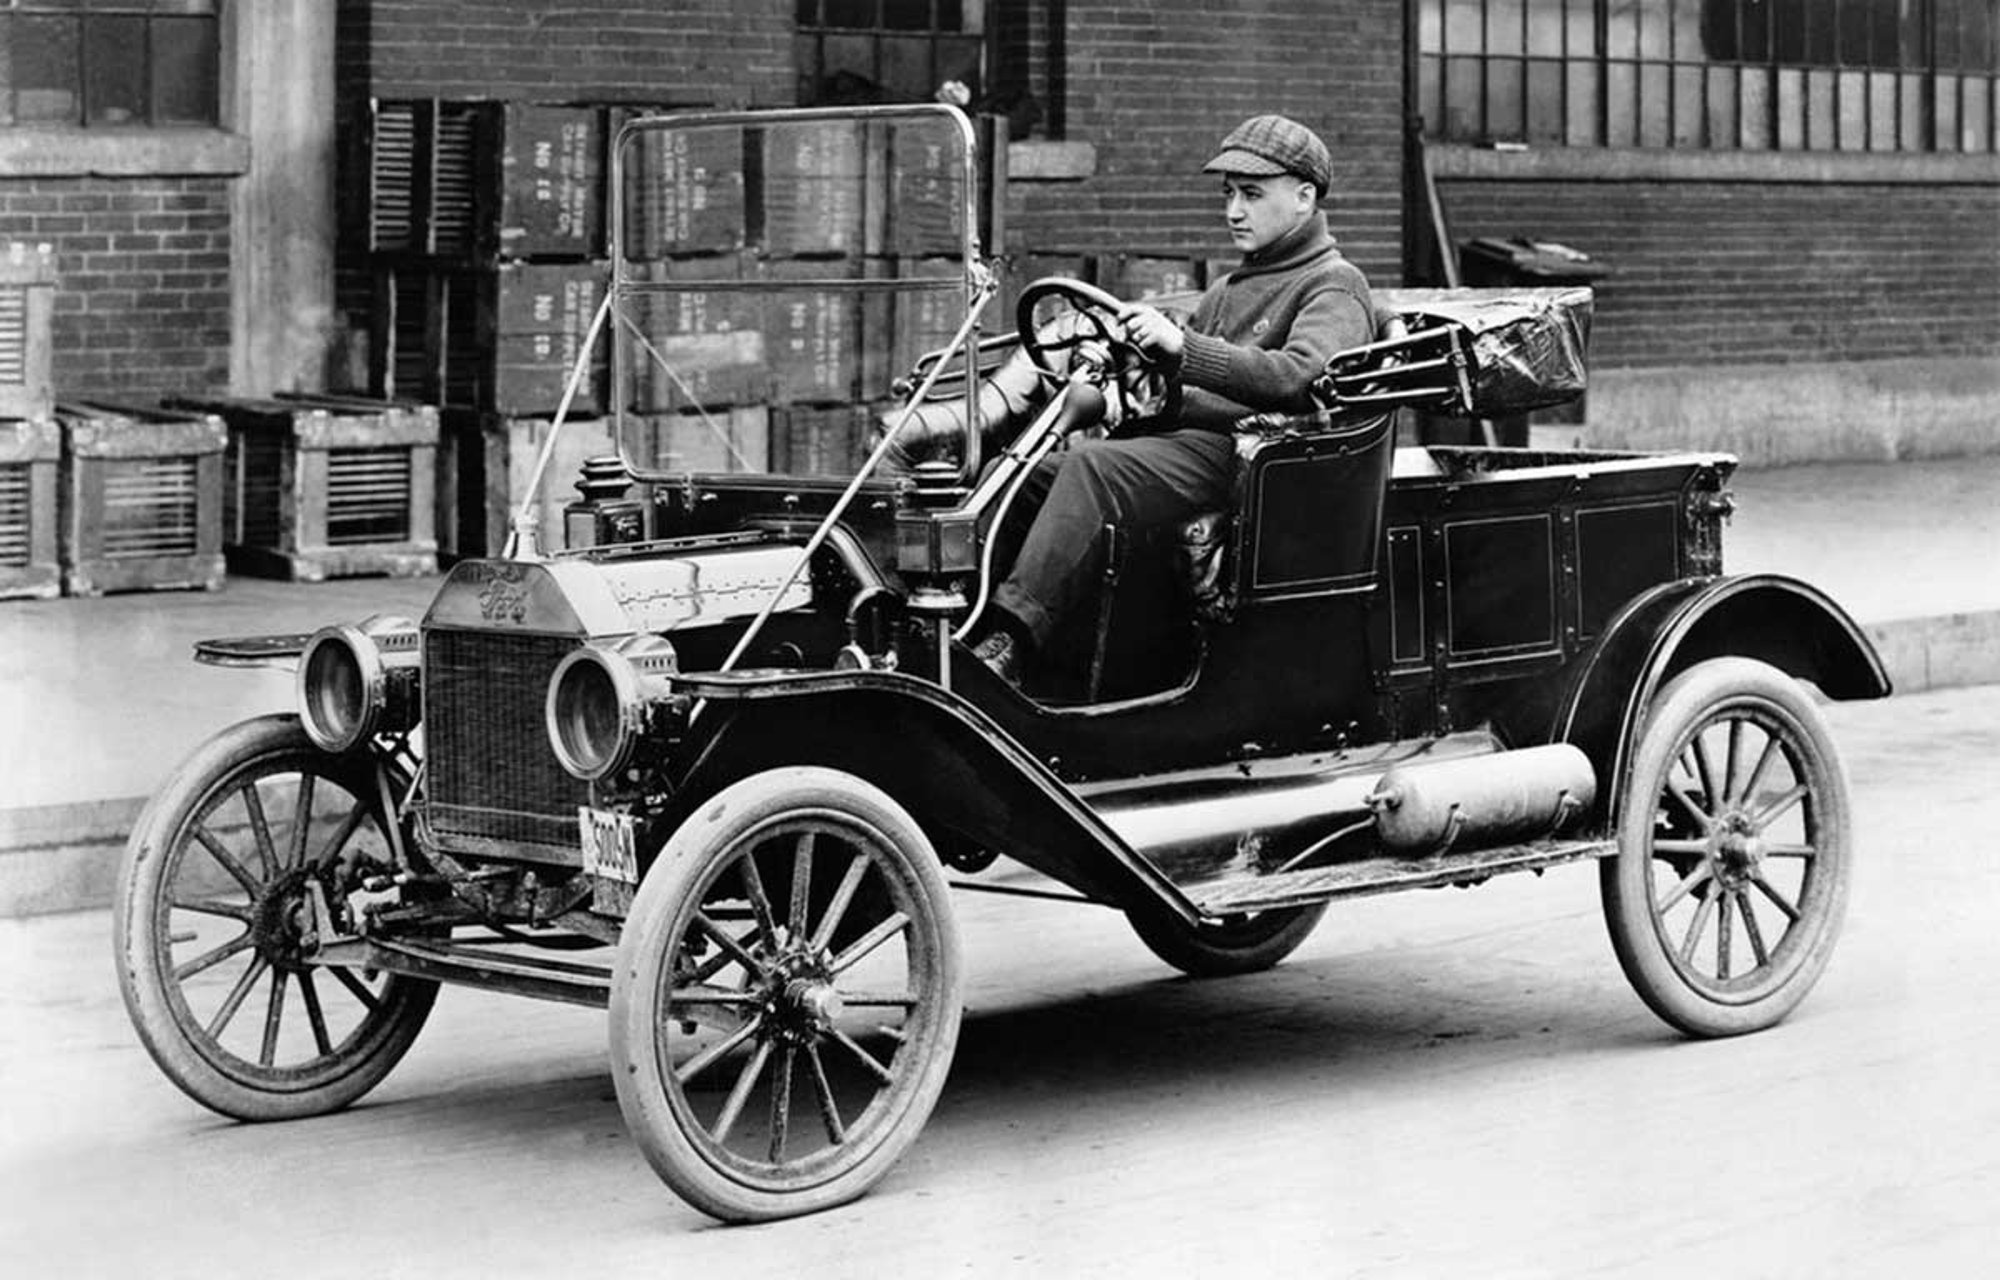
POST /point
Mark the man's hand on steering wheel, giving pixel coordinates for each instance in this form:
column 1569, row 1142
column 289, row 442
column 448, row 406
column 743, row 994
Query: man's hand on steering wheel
column 1153, row 332
column 1140, row 373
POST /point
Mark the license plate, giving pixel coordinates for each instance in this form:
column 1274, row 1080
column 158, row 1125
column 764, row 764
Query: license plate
column 609, row 849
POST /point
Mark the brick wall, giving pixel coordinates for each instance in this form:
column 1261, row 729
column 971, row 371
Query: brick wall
column 1147, row 84
column 1740, row 273
column 142, row 301
column 1155, row 86
column 677, row 51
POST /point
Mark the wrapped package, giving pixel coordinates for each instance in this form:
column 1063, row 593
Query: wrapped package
column 1478, row 353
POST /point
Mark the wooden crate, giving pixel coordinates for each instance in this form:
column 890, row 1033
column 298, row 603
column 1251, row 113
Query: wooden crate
column 501, row 338
column 475, row 181
column 142, row 498
column 30, row 457
column 812, row 336
column 821, row 440
column 726, row 440
column 709, row 334
column 900, row 327
column 489, row 460
column 922, row 187
column 819, row 188
column 1138, row 277
column 27, row 303
column 328, row 487
column 685, row 192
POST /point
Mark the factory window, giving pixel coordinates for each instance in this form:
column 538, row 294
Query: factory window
column 109, row 62
column 852, row 51
column 1790, row 75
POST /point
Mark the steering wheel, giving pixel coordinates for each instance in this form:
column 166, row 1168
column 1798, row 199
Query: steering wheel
column 1144, row 387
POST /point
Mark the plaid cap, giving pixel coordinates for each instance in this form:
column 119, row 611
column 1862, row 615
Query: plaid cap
column 1264, row 145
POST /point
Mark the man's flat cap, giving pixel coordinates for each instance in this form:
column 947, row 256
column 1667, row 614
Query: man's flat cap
column 1264, row 145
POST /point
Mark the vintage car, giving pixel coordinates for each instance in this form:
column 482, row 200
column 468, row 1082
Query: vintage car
column 719, row 762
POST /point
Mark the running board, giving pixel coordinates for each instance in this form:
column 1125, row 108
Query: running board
column 1236, row 894
column 477, row 966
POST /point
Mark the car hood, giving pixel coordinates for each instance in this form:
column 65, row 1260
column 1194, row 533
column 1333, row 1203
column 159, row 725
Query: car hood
column 621, row 597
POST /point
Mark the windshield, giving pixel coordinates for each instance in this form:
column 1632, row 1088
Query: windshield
column 776, row 277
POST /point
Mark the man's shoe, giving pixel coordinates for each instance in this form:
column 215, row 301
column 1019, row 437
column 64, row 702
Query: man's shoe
column 1001, row 653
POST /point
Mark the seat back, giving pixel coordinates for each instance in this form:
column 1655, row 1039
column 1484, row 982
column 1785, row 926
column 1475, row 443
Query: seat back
column 1307, row 516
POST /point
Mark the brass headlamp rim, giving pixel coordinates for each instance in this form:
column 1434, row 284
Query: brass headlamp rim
column 633, row 692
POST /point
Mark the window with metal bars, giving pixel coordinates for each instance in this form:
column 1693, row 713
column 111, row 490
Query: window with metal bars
column 109, row 62
column 857, row 51
column 1786, row 75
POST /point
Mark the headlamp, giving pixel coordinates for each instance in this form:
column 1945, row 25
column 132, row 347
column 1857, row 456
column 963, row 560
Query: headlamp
column 358, row 680
column 600, row 699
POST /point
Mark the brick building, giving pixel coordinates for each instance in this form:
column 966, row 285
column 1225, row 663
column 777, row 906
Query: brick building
column 1799, row 203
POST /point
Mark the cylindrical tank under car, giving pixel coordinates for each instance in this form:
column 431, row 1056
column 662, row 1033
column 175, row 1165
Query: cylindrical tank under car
column 1482, row 800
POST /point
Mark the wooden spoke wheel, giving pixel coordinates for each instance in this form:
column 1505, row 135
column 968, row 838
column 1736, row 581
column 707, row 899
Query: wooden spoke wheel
column 211, row 922
column 786, row 1001
column 1735, row 851
column 1246, row 943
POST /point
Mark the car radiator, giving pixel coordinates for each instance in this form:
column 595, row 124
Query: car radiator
column 491, row 775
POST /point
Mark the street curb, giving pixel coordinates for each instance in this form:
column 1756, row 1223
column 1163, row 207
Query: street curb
column 64, row 857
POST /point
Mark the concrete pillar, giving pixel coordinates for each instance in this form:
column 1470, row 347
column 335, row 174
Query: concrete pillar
column 277, row 91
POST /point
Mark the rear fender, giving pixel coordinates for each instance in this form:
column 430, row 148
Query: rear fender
column 1776, row 619
column 940, row 757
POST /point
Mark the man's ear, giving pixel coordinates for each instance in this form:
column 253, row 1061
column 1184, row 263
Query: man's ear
column 1308, row 193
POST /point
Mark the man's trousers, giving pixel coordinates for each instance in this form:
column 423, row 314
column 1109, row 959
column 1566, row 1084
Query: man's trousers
column 1058, row 518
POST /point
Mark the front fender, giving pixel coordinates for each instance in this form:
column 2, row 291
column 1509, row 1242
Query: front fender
column 1770, row 617
column 939, row 756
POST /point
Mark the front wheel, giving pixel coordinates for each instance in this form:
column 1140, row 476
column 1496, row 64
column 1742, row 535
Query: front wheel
column 786, row 1001
column 210, row 924
column 1247, row 943
column 1734, row 851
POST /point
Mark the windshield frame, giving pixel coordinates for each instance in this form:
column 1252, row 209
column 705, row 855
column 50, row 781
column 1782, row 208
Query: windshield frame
column 973, row 282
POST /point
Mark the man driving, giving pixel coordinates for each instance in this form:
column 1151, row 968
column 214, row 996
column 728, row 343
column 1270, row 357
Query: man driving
column 1252, row 344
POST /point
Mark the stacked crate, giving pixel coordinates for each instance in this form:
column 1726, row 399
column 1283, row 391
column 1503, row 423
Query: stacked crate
column 483, row 248
column 489, row 463
column 321, row 487
column 764, row 350
column 30, row 454
column 142, row 498
column 30, row 442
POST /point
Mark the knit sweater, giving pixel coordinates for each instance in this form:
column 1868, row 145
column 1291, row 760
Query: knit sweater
column 1261, row 333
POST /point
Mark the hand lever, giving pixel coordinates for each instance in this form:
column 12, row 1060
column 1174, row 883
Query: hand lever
column 1083, row 405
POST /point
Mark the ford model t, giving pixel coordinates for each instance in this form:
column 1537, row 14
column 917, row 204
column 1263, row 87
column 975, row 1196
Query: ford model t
column 715, row 761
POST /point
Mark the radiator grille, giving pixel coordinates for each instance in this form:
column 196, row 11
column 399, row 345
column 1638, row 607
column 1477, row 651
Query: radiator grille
column 150, row 508
column 14, row 516
column 13, row 336
column 492, row 773
column 367, row 496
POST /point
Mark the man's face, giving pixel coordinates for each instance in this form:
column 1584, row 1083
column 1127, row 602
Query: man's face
column 1260, row 211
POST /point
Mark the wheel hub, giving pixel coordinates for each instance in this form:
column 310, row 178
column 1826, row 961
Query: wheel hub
column 279, row 920
column 1738, row 848
column 800, row 999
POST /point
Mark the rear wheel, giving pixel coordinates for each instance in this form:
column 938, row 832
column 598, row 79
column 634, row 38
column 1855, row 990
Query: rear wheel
column 210, row 924
column 786, row 1001
column 1245, row 943
column 1734, row 851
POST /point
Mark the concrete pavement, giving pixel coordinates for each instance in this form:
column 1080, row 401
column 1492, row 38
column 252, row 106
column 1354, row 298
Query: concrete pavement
column 99, row 698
